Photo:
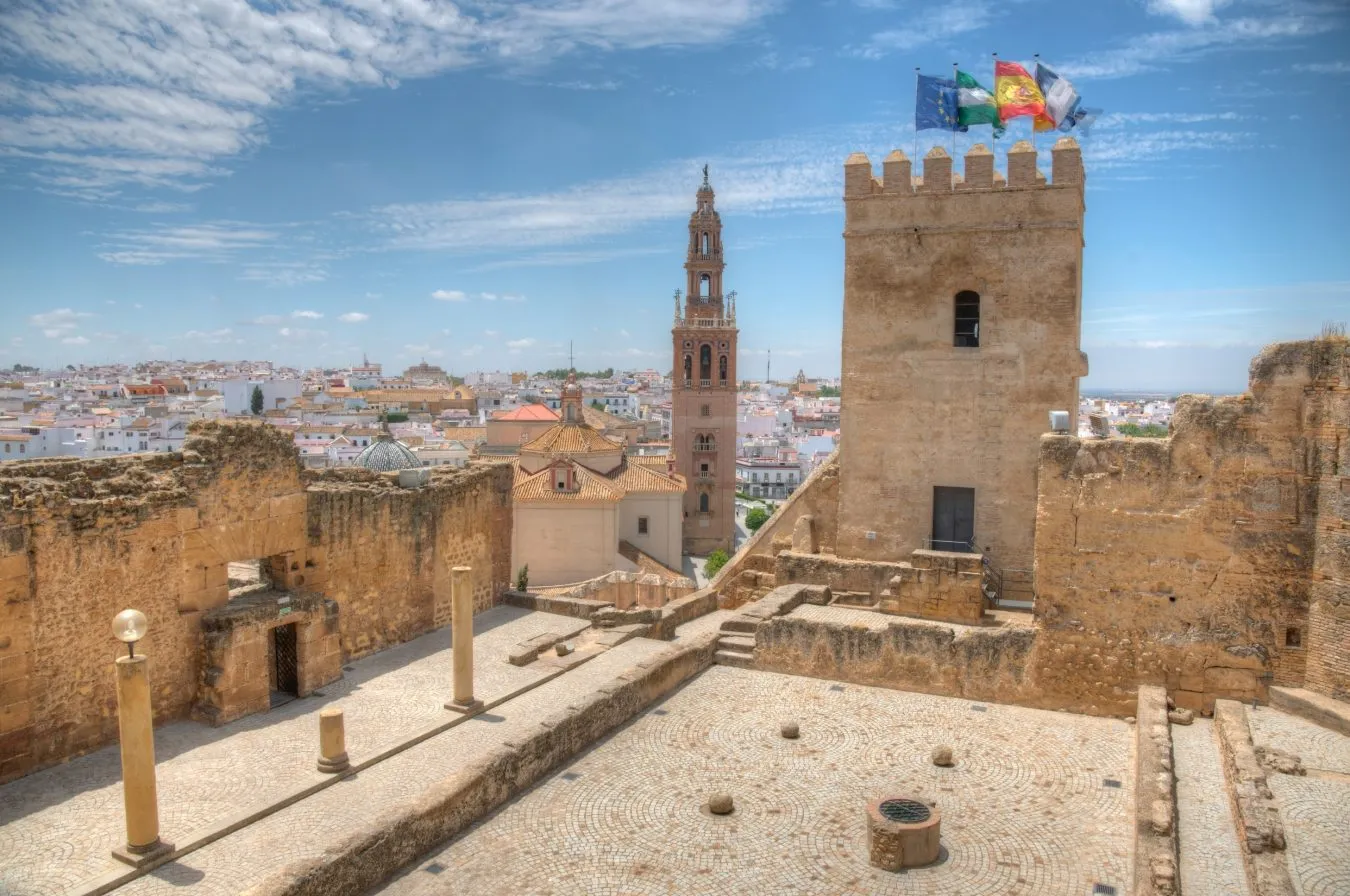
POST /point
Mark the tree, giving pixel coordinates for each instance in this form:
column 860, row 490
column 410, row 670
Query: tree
column 828, row 392
column 523, row 578
column 756, row 517
column 597, row 404
column 255, row 403
column 1146, row 431
column 716, row 560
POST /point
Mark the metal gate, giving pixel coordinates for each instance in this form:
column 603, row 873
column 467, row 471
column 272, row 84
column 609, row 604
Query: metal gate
column 287, row 659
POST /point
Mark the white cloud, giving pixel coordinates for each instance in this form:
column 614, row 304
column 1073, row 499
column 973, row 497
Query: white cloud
column 57, row 322
column 75, row 340
column 930, row 24
column 307, row 315
column 515, row 345
column 224, row 336
column 354, row 317
column 157, row 94
column 1192, row 12
column 472, row 351
column 267, row 320
column 1340, row 67
column 215, row 241
column 488, row 296
column 1153, row 51
column 300, row 334
column 137, row 305
column 284, row 273
column 450, row 295
column 624, row 333
column 163, row 208
column 512, row 297
column 491, row 334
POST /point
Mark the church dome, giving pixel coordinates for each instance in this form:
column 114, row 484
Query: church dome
column 385, row 455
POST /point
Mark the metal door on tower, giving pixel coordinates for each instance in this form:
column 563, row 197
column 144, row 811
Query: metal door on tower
column 953, row 518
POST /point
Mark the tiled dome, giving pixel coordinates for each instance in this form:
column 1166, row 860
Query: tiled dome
column 385, row 455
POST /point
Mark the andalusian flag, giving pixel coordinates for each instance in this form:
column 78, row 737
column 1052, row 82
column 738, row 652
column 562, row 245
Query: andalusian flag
column 1015, row 92
column 974, row 104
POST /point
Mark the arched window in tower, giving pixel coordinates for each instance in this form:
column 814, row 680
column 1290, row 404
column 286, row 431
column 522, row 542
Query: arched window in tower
column 704, row 286
column 705, row 363
column 722, row 368
column 705, row 245
column 967, row 319
column 703, row 503
column 688, row 368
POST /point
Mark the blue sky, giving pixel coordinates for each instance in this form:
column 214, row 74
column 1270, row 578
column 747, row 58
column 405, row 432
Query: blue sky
column 478, row 183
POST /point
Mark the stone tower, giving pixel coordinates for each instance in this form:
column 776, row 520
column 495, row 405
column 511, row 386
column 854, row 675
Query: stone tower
column 962, row 312
column 703, row 410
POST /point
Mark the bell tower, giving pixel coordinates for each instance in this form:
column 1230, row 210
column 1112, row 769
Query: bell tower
column 703, row 407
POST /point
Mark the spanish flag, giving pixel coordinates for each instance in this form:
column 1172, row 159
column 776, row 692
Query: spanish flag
column 1016, row 92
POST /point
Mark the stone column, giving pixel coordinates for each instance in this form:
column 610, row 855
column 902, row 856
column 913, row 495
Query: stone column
column 138, row 764
column 461, row 627
column 332, row 741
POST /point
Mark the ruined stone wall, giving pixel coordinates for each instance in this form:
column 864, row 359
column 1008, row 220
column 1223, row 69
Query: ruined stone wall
column 1188, row 562
column 920, row 411
column 387, row 552
column 750, row 572
column 81, row 540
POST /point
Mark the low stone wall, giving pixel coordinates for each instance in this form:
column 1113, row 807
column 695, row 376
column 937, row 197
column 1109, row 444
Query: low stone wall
column 1155, row 798
column 558, row 604
column 859, row 581
column 1260, row 830
column 911, row 655
column 626, row 589
column 685, row 609
column 391, row 841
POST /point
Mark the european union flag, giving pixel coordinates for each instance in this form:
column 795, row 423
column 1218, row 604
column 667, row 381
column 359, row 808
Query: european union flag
column 935, row 105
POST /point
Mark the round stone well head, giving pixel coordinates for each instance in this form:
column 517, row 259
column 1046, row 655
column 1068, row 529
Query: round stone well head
column 902, row 832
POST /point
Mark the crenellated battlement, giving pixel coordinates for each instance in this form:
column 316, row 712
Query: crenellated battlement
column 937, row 174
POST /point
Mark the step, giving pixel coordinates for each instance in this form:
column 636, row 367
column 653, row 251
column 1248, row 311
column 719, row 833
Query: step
column 743, row 643
column 741, row 623
column 734, row 658
column 1316, row 708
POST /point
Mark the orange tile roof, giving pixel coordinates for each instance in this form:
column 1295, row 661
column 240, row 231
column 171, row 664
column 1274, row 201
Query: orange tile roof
column 637, row 478
column 570, row 438
column 649, row 460
column 539, row 487
column 527, row 412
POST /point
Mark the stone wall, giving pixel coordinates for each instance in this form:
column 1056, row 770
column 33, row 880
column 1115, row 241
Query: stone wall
column 1201, row 547
column 81, row 540
column 750, row 572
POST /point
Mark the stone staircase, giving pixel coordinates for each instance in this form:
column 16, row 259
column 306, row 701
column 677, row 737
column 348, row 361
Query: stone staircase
column 736, row 642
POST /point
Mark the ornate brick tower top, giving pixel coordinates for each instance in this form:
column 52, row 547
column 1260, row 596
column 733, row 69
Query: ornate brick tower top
column 703, row 424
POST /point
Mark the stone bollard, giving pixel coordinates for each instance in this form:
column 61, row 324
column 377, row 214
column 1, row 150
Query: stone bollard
column 139, row 793
column 332, row 742
column 461, row 625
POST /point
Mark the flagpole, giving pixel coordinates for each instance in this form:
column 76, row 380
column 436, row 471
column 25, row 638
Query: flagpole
column 1035, row 134
column 993, row 135
column 915, row 163
column 957, row 91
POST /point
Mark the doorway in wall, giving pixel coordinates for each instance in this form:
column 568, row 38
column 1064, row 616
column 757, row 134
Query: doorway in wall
column 284, row 670
column 953, row 518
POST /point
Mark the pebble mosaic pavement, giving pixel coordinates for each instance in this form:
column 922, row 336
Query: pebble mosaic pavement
column 59, row 826
column 1315, row 809
column 1211, row 857
column 1027, row 809
column 304, row 830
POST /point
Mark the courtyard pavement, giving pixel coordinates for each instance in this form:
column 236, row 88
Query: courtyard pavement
column 1315, row 809
column 1038, row 802
column 58, row 826
column 1211, row 856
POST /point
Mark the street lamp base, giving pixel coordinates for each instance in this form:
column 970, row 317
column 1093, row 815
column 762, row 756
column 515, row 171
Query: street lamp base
column 471, row 708
column 140, row 856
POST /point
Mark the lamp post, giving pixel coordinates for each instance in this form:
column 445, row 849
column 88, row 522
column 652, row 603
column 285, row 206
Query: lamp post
column 134, row 723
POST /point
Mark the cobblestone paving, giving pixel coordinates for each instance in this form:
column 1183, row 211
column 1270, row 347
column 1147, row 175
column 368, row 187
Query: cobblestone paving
column 1026, row 809
column 709, row 622
column 58, row 826
column 305, row 829
column 1211, row 857
column 1315, row 809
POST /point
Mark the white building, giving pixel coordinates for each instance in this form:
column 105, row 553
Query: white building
column 238, row 394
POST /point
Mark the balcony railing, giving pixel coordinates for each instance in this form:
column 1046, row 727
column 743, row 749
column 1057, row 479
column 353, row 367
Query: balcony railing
column 705, row 383
column 721, row 323
column 705, row 446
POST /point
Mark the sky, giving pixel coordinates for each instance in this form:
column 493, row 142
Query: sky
column 481, row 183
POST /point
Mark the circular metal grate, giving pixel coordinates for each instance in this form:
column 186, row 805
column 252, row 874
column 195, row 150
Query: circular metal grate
column 906, row 811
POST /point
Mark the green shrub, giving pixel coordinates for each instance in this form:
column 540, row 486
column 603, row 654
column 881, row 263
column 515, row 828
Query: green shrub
column 716, row 560
column 523, row 578
column 756, row 517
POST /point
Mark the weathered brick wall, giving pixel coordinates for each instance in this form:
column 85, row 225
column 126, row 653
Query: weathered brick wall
column 1187, row 562
column 81, row 540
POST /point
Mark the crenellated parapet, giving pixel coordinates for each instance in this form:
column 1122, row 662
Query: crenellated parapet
column 937, row 174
